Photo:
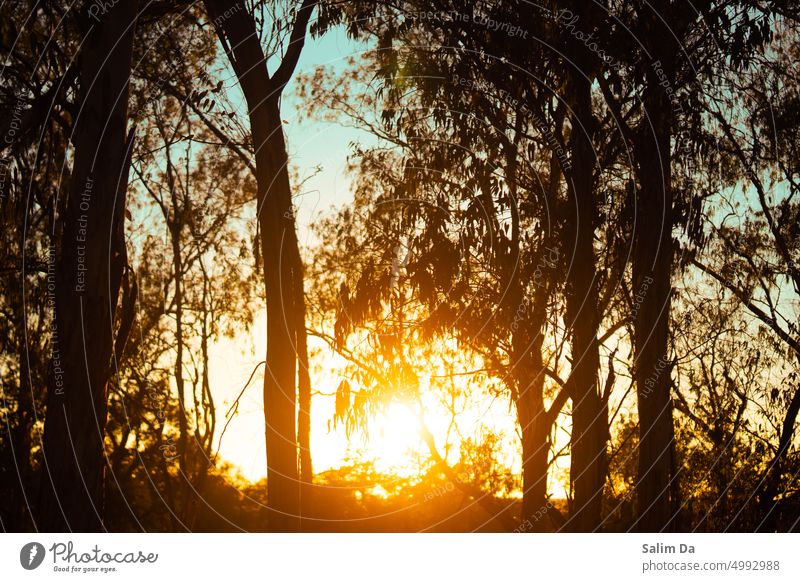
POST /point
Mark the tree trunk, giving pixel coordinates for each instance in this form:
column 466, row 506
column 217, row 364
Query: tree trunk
column 303, row 392
column 88, row 280
column 652, row 263
column 589, row 414
column 535, row 429
column 208, row 416
column 175, row 226
column 183, row 426
column 303, row 381
column 21, row 434
column 280, row 395
column 526, row 375
column 237, row 31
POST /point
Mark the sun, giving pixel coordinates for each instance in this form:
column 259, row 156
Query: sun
column 391, row 439
column 394, row 438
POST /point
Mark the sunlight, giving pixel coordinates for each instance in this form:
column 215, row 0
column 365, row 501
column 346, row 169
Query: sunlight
column 395, row 437
column 393, row 440
column 379, row 491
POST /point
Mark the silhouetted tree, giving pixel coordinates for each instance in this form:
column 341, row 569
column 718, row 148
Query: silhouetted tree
column 91, row 320
column 283, row 274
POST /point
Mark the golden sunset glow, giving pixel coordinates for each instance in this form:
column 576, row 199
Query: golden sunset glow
column 392, row 439
column 298, row 266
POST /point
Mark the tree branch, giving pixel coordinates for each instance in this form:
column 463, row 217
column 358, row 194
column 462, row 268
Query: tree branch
column 296, row 41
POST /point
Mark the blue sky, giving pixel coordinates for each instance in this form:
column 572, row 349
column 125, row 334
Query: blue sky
column 314, row 142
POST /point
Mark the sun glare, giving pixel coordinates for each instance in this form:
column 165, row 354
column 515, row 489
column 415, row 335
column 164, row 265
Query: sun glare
column 394, row 437
column 391, row 440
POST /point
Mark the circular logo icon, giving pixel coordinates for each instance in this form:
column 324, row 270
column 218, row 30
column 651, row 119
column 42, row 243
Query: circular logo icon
column 31, row 555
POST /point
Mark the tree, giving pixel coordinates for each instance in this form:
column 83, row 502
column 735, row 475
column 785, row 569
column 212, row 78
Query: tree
column 200, row 195
column 654, row 93
column 589, row 412
column 723, row 398
column 91, row 319
column 36, row 97
column 283, row 274
column 753, row 251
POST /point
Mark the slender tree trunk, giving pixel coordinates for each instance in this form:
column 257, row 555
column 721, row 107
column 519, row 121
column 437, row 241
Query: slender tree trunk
column 303, row 378
column 280, row 396
column 303, row 393
column 528, row 370
column 528, row 380
column 175, row 224
column 535, row 430
column 21, row 435
column 652, row 263
column 589, row 414
column 183, row 427
column 206, row 439
column 209, row 409
column 237, row 32
column 88, row 280
column 528, row 321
